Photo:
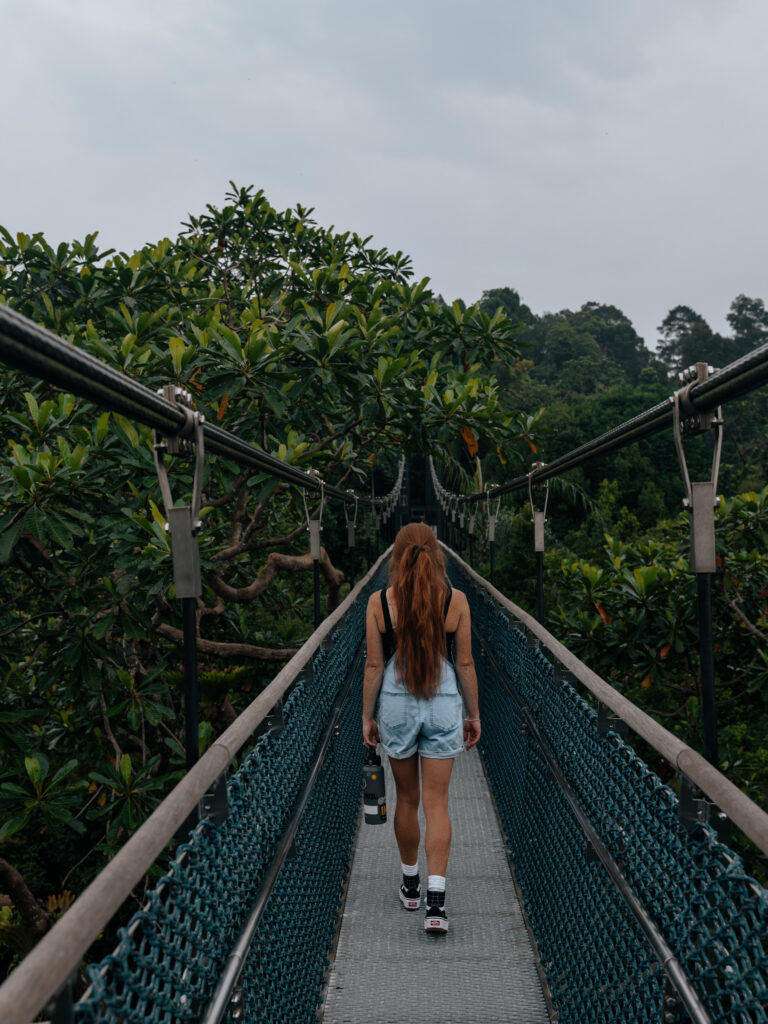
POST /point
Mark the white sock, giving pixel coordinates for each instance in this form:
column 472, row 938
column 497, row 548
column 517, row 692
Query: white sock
column 436, row 883
column 410, row 869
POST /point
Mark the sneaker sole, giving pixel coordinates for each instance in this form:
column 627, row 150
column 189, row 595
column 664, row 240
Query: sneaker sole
column 438, row 925
column 410, row 904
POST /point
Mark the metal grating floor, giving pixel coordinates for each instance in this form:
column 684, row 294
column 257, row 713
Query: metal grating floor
column 388, row 970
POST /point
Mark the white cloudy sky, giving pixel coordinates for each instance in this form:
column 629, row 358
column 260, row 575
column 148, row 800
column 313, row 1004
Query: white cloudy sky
column 609, row 150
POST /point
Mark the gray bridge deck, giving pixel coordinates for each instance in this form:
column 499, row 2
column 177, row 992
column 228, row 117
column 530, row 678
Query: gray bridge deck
column 389, row 970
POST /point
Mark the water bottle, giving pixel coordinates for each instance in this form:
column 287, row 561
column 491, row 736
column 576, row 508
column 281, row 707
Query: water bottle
column 374, row 798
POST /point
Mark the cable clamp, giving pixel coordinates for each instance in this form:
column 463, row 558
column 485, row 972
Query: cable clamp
column 351, row 523
column 183, row 521
column 493, row 517
column 538, row 515
column 700, row 497
column 315, row 526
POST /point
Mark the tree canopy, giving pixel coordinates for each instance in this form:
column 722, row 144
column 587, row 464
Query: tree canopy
column 313, row 344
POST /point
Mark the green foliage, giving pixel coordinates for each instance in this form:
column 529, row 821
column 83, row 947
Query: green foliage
column 312, row 344
column 633, row 619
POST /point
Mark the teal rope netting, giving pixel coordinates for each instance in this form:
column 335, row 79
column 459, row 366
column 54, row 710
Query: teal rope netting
column 171, row 953
column 598, row 963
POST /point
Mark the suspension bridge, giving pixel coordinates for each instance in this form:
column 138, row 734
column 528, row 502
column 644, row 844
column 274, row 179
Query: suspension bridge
column 582, row 888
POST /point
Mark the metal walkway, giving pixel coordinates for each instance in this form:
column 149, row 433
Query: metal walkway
column 388, row 970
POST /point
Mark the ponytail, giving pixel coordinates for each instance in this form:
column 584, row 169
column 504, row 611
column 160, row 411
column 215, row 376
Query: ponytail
column 419, row 589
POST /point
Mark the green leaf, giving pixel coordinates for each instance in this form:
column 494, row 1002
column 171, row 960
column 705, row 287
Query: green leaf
column 9, row 533
column 128, row 429
column 102, row 426
column 177, row 347
column 34, row 411
column 63, row 772
column 126, row 768
column 37, row 768
column 12, row 826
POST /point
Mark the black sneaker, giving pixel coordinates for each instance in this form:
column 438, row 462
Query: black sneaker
column 410, row 896
column 436, row 919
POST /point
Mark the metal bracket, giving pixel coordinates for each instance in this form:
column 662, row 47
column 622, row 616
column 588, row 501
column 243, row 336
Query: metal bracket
column 610, row 723
column 183, row 521
column 215, row 803
column 493, row 517
column 351, row 523
column 694, row 808
column 701, row 498
column 60, row 1008
column 539, row 516
column 236, row 1009
column 471, row 526
column 315, row 526
column 273, row 722
column 672, row 1010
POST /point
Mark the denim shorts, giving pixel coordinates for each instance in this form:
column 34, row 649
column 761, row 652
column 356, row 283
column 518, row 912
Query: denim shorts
column 406, row 723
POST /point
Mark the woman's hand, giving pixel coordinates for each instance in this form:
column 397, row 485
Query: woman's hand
column 370, row 732
column 471, row 732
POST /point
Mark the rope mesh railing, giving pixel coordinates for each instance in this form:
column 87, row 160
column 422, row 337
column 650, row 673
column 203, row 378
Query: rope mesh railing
column 599, row 966
column 170, row 955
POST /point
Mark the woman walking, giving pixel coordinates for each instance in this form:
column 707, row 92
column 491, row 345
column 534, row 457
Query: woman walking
column 417, row 630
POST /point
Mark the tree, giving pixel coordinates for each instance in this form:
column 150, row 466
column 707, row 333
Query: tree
column 749, row 322
column 312, row 344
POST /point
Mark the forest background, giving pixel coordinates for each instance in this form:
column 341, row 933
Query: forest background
column 322, row 349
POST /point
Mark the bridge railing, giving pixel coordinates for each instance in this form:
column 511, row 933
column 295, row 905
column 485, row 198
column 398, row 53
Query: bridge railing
column 640, row 913
column 172, row 954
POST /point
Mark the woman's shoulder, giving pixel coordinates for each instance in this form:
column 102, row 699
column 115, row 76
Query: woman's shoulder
column 457, row 609
column 374, row 605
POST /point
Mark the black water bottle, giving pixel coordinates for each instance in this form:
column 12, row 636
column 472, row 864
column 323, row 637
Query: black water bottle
column 374, row 797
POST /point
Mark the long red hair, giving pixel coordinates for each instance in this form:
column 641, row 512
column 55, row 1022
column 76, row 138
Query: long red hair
column 417, row 578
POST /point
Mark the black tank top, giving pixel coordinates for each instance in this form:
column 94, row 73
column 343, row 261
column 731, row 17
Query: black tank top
column 388, row 638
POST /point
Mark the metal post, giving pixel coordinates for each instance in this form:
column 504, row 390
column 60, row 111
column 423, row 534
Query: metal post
column 540, row 586
column 471, row 531
column 539, row 519
column 184, row 525
column 316, row 571
column 701, row 499
column 314, row 526
column 493, row 518
column 707, row 654
column 191, row 696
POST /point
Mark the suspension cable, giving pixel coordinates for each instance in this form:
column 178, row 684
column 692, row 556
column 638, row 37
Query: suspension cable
column 727, row 384
column 32, row 349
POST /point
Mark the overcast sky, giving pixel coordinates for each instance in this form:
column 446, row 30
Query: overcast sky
column 576, row 150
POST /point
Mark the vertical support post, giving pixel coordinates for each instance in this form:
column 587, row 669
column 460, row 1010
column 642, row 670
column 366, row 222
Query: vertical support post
column 184, row 525
column 539, row 519
column 707, row 654
column 493, row 518
column 314, row 547
column 540, row 586
column 351, row 524
column 314, row 526
column 701, row 499
column 316, row 575
column 471, row 531
column 191, row 695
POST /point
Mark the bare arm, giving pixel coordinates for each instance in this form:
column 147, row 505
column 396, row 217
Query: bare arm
column 465, row 669
column 374, row 670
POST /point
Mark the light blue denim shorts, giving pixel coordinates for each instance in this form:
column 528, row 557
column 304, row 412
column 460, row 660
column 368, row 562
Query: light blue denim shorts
column 434, row 727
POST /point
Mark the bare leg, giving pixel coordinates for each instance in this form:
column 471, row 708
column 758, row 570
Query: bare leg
column 407, row 832
column 435, row 779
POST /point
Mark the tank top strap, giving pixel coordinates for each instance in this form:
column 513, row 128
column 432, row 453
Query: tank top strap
column 385, row 612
